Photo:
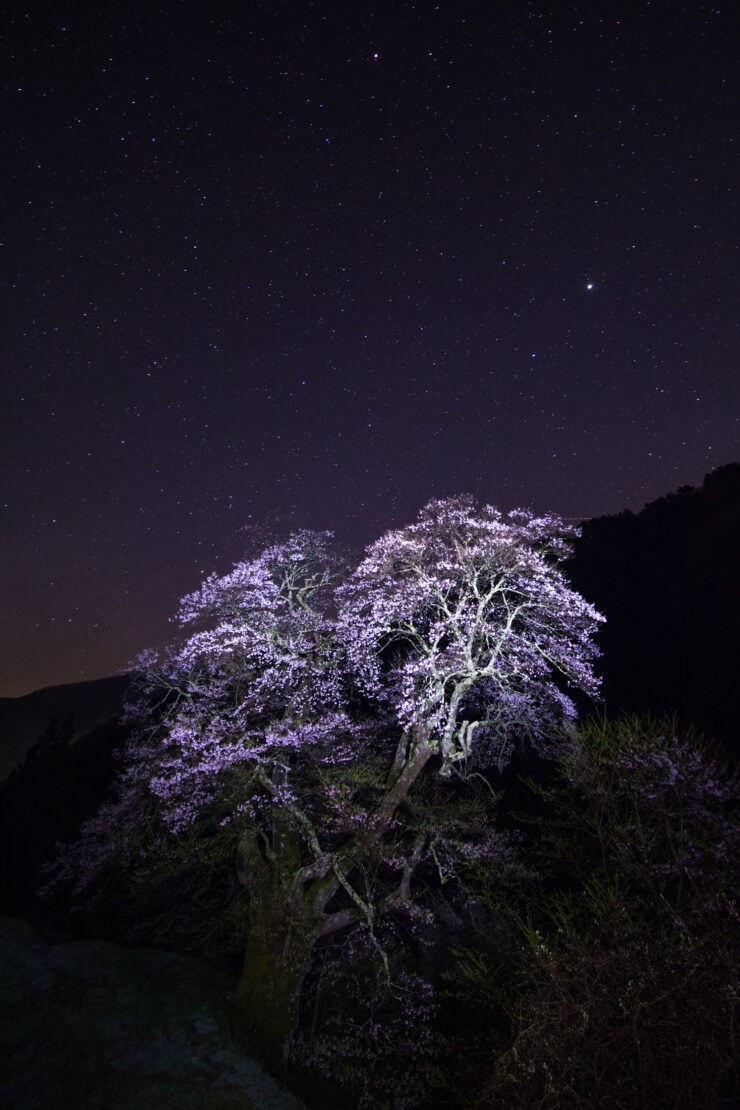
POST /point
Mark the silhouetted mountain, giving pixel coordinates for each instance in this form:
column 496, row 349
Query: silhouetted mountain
column 22, row 720
column 59, row 785
column 667, row 580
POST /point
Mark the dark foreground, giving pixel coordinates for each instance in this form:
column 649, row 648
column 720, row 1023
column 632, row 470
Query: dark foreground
column 90, row 1024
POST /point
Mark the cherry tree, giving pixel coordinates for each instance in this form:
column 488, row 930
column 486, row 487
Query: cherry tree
column 338, row 723
column 482, row 622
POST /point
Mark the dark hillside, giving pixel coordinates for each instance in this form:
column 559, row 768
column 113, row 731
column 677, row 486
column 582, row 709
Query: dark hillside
column 59, row 785
column 667, row 580
column 22, row 720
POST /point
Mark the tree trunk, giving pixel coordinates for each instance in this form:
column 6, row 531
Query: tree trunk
column 286, row 921
column 277, row 959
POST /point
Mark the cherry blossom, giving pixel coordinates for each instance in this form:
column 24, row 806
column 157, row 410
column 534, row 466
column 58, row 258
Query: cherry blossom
column 341, row 727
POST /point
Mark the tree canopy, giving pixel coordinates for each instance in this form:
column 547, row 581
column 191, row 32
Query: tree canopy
column 341, row 726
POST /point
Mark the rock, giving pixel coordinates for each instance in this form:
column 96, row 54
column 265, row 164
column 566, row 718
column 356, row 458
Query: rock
column 96, row 1026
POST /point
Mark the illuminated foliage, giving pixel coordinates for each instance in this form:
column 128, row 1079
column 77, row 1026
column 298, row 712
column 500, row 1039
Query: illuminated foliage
column 336, row 727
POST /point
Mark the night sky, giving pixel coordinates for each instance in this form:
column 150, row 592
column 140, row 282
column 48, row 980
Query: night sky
column 334, row 260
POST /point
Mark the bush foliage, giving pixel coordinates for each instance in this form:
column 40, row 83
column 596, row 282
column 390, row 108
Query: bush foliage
column 620, row 983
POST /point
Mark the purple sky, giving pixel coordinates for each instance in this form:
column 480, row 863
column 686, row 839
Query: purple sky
column 282, row 257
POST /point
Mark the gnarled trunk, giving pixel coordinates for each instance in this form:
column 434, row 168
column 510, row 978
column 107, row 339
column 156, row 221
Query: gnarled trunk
column 276, row 961
column 283, row 929
column 287, row 918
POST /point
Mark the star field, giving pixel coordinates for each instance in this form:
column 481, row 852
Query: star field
column 296, row 258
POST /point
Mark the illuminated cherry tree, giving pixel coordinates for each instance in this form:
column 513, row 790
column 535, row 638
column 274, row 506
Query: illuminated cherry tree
column 342, row 725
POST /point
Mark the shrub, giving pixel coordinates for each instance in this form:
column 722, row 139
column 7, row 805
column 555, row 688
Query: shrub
column 626, row 985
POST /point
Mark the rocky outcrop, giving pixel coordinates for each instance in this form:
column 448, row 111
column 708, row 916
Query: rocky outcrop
column 90, row 1024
